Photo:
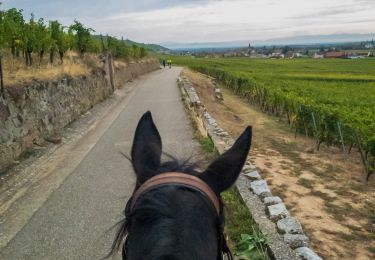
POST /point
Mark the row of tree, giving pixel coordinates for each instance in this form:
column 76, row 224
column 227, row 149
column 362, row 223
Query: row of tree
column 38, row 38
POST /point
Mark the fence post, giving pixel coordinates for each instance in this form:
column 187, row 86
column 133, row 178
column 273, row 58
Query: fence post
column 314, row 121
column 361, row 152
column 2, row 88
column 341, row 136
column 304, row 122
column 111, row 70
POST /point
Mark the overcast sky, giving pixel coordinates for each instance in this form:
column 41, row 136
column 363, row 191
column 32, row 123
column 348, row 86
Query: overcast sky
column 158, row 21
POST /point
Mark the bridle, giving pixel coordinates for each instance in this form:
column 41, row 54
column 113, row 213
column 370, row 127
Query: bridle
column 187, row 181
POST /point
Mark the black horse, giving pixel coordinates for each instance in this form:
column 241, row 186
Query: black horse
column 175, row 221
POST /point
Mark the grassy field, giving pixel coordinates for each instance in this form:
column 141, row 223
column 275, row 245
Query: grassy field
column 332, row 100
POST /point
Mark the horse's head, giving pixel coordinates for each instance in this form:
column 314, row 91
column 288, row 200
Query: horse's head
column 177, row 219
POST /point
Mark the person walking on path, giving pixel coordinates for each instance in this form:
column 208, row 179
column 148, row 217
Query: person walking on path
column 163, row 63
column 169, row 63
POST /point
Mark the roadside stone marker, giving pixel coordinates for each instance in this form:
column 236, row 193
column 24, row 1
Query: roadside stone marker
column 289, row 225
column 260, row 188
column 307, row 254
column 277, row 211
column 269, row 201
column 295, row 241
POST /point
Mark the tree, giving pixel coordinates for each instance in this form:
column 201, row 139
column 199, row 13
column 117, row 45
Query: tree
column 2, row 45
column 2, row 30
column 13, row 29
column 29, row 40
column 43, row 37
column 143, row 52
column 58, row 40
column 136, row 53
column 285, row 49
column 82, row 36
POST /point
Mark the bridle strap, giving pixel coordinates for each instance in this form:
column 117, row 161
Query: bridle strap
column 181, row 179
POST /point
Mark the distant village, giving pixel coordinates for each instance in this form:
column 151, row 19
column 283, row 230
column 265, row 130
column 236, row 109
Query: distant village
column 344, row 51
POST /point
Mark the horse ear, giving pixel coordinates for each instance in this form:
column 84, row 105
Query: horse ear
column 147, row 148
column 224, row 171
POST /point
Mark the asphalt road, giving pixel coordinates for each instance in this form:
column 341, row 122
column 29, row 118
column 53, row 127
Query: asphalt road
column 75, row 222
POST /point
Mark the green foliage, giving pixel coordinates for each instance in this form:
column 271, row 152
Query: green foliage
column 249, row 242
column 13, row 28
column 143, row 52
column 118, row 48
column 207, row 144
column 35, row 36
column 247, row 248
column 333, row 91
column 2, row 29
column 43, row 37
column 82, row 39
column 147, row 47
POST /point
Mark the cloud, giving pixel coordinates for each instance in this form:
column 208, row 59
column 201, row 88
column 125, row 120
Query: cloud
column 209, row 20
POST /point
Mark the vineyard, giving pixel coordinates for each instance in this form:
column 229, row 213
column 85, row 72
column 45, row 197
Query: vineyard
column 332, row 100
column 31, row 40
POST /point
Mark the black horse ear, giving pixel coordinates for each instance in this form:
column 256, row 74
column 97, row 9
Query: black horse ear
column 224, row 171
column 147, row 148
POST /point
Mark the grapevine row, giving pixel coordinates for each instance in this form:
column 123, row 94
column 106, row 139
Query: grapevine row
column 325, row 122
column 38, row 38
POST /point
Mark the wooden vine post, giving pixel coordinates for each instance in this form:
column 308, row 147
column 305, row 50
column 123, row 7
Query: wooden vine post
column 362, row 153
column 111, row 70
column 341, row 136
column 2, row 88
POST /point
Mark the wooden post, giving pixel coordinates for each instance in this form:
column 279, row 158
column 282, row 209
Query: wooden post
column 341, row 137
column 314, row 121
column 363, row 157
column 2, row 88
column 111, row 71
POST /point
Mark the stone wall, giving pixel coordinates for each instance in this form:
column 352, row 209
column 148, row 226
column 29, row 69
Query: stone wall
column 127, row 72
column 32, row 113
column 286, row 239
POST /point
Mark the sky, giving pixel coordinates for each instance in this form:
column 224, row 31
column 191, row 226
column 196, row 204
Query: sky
column 163, row 21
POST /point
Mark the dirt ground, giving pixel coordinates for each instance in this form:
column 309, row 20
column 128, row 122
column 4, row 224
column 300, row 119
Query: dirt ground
column 325, row 190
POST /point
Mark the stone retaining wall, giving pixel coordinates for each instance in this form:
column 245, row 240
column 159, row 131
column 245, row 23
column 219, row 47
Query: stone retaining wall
column 126, row 72
column 33, row 113
column 286, row 239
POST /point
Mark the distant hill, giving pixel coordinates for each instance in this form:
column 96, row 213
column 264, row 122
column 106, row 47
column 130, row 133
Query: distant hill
column 149, row 47
column 297, row 40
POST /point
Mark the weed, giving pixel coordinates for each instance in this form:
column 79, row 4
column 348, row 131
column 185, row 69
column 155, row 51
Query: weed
column 207, row 145
column 247, row 248
column 241, row 228
column 306, row 183
column 321, row 195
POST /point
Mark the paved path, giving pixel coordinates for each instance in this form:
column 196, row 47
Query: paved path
column 73, row 222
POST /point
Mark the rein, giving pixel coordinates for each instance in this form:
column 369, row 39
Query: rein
column 187, row 181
